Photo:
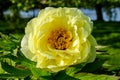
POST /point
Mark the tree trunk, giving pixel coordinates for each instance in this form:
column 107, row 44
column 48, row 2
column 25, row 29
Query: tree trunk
column 98, row 9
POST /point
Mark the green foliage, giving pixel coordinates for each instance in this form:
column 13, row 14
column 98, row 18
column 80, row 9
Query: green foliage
column 63, row 76
column 94, row 66
column 82, row 3
column 13, row 25
column 9, row 44
column 107, row 33
column 24, row 4
column 114, row 59
column 39, row 72
column 74, row 69
column 15, row 71
column 88, row 76
column 63, row 3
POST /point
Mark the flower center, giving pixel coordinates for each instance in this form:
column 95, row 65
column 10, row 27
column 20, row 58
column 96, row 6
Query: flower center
column 60, row 39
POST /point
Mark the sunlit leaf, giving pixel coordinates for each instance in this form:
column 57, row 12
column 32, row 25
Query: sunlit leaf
column 89, row 76
column 63, row 76
column 74, row 69
column 15, row 71
column 114, row 59
column 39, row 72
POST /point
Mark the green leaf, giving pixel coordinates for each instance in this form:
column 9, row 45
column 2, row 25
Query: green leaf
column 63, row 76
column 89, row 76
column 19, row 59
column 37, row 72
column 9, row 56
column 8, row 43
column 114, row 59
column 46, row 78
column 24, row 61
column 91, row 67
column 15, row 71
column 111, row 58
column 6, row 76
column 74, row 69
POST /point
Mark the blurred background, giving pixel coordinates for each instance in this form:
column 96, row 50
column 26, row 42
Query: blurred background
column 14, row 15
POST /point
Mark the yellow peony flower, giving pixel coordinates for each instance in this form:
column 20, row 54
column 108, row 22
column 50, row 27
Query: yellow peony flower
column 58, row 38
